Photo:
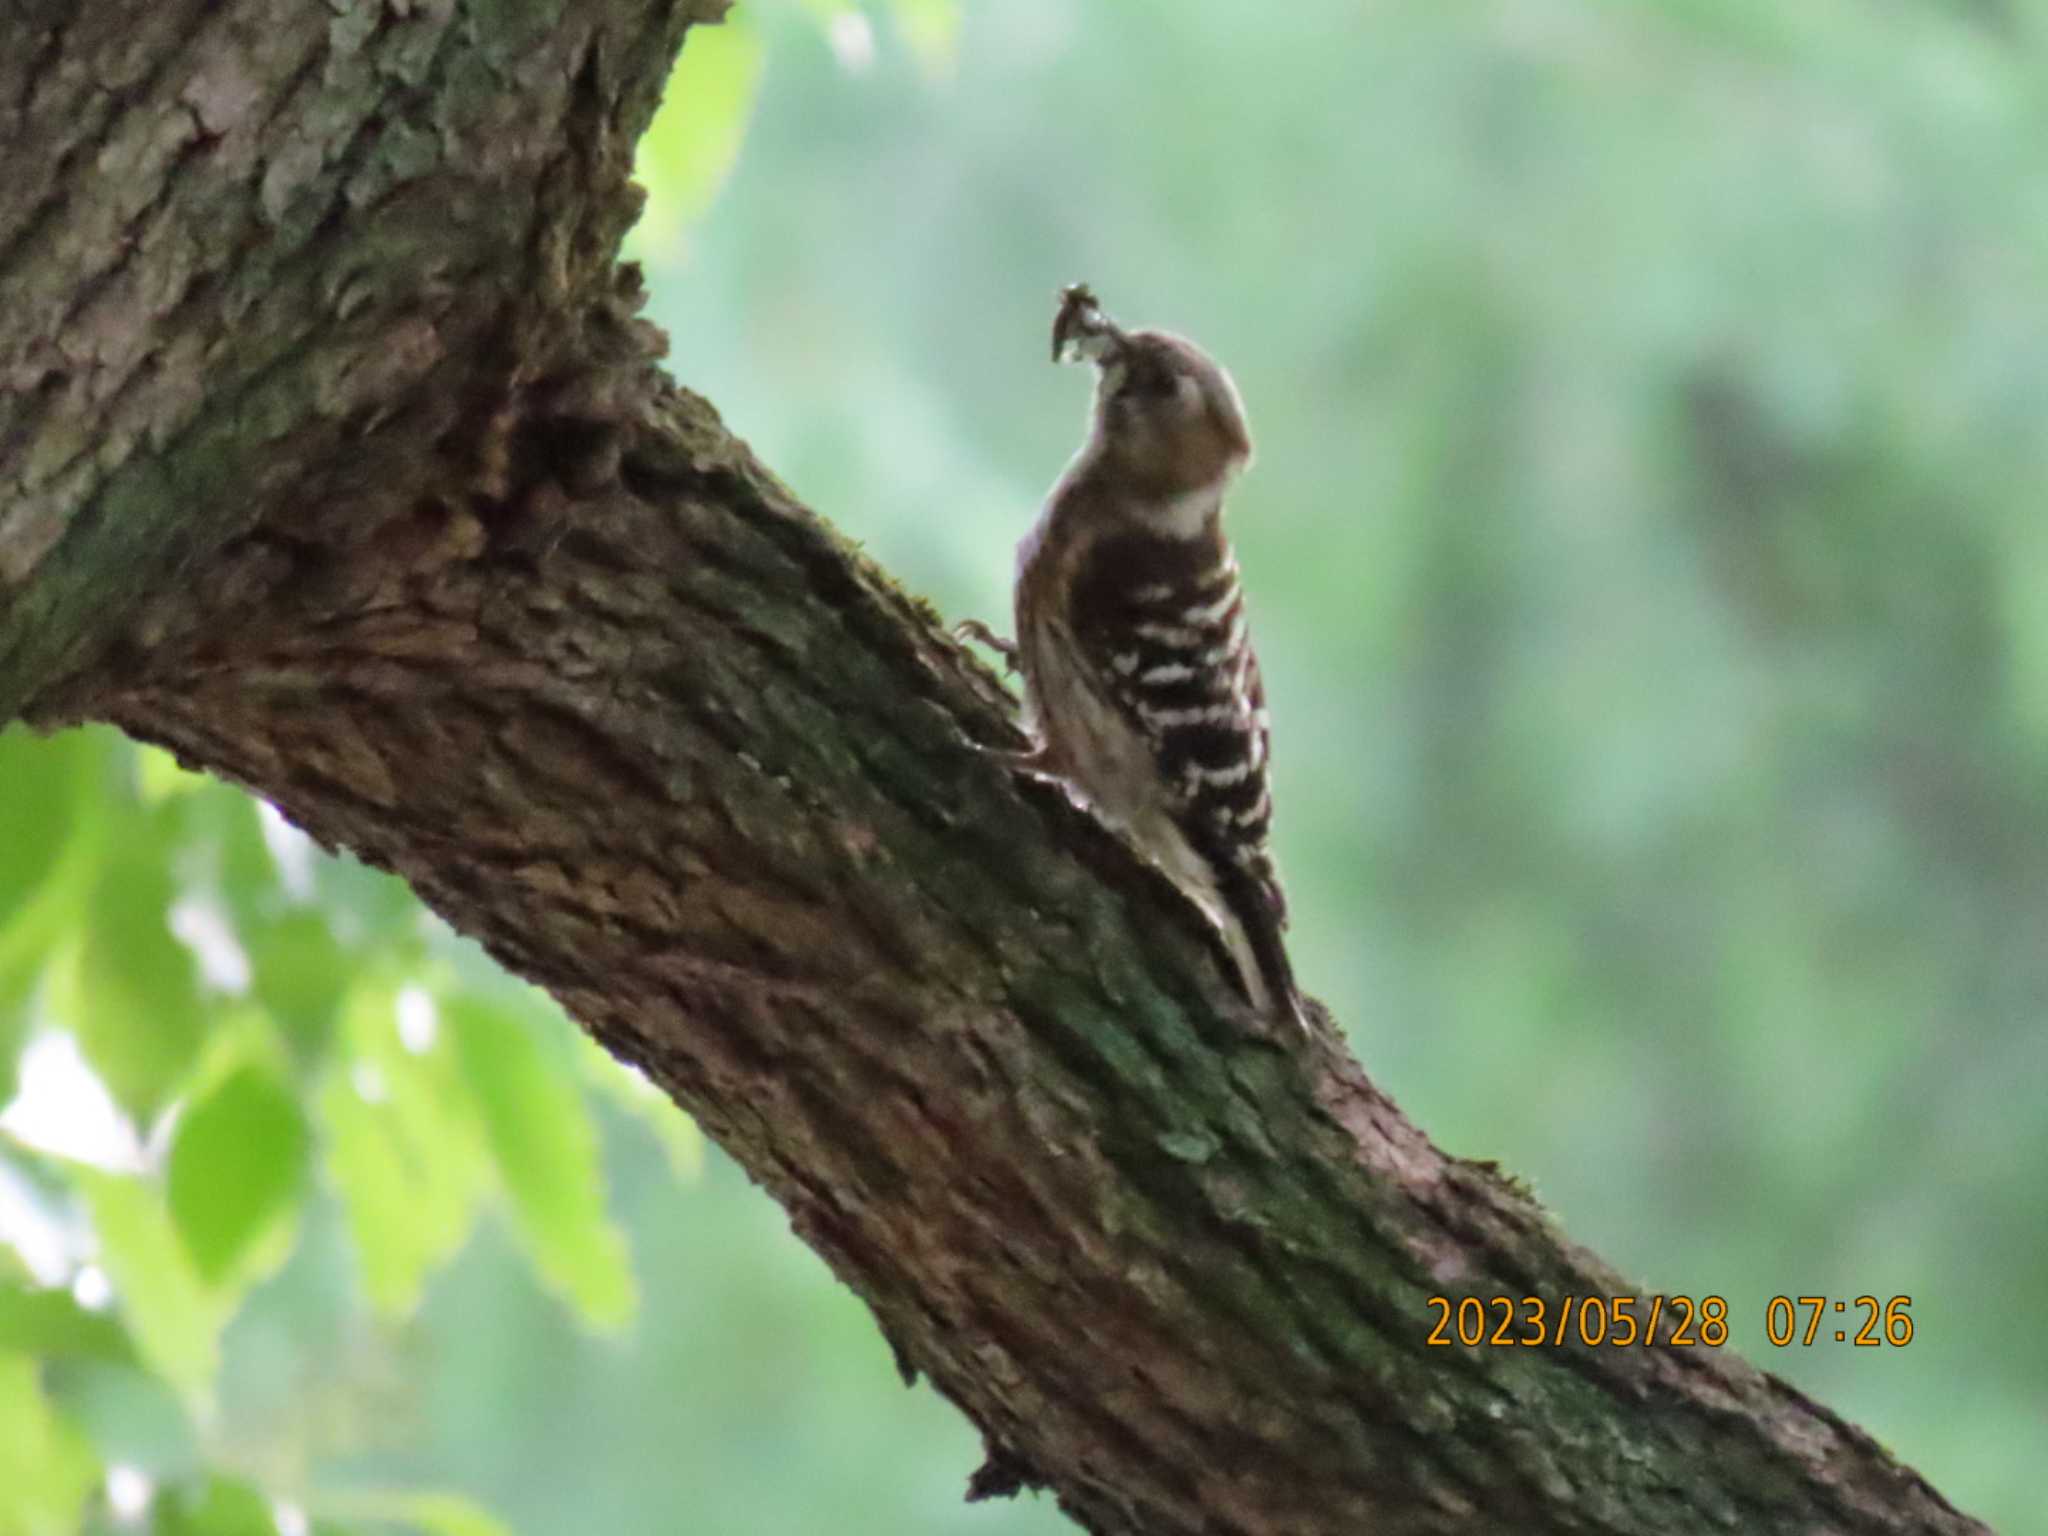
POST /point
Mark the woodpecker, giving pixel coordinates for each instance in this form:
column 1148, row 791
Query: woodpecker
column 1142, row 692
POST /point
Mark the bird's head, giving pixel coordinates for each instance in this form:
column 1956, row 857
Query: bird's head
column 1167, row 416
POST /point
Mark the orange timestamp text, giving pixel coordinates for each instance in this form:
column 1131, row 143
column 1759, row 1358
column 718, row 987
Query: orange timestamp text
column 1885, row 1321
column 1536, row 1322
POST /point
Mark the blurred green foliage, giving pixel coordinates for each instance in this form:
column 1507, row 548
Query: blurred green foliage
column 1645, row 561
column 229, row 1047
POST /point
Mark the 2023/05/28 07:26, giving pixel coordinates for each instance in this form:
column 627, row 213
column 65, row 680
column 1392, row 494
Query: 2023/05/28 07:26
column 1620, row 1321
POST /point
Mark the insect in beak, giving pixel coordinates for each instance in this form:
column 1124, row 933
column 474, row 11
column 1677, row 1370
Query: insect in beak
column 1081, row 329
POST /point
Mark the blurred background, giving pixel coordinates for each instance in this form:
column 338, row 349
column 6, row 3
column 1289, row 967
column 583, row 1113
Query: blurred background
column 1646, row 553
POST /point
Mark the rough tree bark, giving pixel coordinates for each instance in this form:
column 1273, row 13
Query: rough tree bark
column 333, row 456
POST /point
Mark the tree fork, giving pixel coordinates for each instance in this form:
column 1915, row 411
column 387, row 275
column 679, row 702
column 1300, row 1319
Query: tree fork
column 334, row 457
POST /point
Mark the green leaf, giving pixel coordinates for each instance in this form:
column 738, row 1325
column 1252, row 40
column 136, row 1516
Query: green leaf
column 541, row 1134
column 159, row 776
column 132, row 995
column 47, row 1468
column 403, row 1149
column 237, row 1166
column 692, row 144
column 448, row 1514
column 301, row 975
column 397, row 1242
column 173, row 1321
column 438, row 1514
column 49, row 846
column 41, row 786
column 51, row 1325
column 221, row 1506
column 16, row 1021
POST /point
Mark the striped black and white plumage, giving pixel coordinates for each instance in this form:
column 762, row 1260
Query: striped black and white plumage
column 1140, row 681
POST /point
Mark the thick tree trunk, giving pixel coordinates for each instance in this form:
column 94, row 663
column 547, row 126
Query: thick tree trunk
column 333, row 456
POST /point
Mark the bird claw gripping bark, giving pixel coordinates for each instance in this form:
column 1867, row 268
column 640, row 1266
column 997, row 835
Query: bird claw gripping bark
column 981, row 634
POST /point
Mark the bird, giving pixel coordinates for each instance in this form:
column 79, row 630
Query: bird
column 1142, row 692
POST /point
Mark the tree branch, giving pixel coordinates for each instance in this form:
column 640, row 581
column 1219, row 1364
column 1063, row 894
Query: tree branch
column 335, row 458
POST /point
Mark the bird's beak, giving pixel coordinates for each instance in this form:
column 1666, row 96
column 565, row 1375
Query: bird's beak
column 1081, row 329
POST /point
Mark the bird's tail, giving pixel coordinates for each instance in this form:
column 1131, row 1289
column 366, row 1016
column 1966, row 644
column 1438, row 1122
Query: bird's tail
column 1255, row 934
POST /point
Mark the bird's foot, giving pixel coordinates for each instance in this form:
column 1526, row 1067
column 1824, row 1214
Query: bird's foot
column 981, row 634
